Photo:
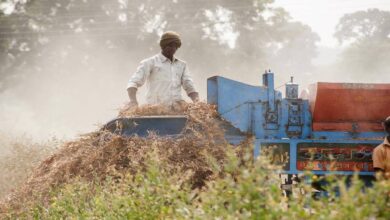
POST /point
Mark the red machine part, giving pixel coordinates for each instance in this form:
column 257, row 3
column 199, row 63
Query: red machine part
column 353, row 107
column 333, row 156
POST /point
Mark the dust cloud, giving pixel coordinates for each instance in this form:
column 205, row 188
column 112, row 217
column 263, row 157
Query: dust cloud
column 68, row 98
column 74, row 85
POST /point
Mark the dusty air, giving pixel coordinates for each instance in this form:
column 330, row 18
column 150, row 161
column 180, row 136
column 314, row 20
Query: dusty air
column 180, row 109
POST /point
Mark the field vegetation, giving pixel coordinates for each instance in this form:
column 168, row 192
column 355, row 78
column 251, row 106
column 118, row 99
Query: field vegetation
column 198, row 176
column 18, row 157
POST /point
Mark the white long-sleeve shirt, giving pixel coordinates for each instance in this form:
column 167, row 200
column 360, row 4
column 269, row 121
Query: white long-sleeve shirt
column 163, row 79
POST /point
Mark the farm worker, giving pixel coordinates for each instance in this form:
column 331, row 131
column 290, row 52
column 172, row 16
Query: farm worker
column 381, row 155
column 164, row 75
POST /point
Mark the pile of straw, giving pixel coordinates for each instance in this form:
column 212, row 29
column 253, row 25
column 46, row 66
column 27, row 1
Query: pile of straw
column 100, row 154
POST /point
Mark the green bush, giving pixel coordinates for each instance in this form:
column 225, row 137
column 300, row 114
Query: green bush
column 247, row 189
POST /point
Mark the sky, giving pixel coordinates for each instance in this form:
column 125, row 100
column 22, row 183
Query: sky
column 323, row 15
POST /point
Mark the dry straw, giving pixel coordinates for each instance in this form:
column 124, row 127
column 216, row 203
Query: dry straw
column 100, row 154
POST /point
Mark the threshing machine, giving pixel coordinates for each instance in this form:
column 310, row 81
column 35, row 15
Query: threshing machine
column 332, row 128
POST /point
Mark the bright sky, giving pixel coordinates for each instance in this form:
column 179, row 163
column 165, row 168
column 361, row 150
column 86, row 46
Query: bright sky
column 323, row 15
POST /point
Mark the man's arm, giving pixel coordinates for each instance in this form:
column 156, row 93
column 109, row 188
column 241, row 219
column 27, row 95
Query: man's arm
column 137, row 80
column 377, row 159
column 188, row 85
column 132, row 92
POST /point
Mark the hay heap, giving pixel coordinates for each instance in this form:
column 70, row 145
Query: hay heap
column 101, row 154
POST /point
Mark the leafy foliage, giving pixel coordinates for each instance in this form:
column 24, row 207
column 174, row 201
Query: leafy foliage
column 248, row 190
column 368, row 35
column 66, row 32
column 372, row 24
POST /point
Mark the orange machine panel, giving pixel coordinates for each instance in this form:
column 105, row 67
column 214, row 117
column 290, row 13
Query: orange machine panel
column 349, row 106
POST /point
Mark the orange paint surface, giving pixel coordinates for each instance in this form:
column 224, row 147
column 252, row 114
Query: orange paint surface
column 337, row 106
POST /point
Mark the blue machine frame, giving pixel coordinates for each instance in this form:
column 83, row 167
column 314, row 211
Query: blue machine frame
column 287, row 122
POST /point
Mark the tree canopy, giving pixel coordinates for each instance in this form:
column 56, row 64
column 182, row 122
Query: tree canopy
column 372, row 24
column 367, row 35
column 66, row 63
column 250, row 34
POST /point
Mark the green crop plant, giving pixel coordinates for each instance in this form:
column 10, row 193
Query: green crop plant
column 246, row 189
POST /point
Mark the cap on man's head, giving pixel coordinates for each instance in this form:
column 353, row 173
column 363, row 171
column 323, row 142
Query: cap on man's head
column 169, row 37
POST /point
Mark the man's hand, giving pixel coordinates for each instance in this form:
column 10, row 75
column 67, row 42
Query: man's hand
column 194, row 96
column 132, row 104
column 132, row 92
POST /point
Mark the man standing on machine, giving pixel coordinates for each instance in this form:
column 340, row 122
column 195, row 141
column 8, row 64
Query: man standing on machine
column 164, row 75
